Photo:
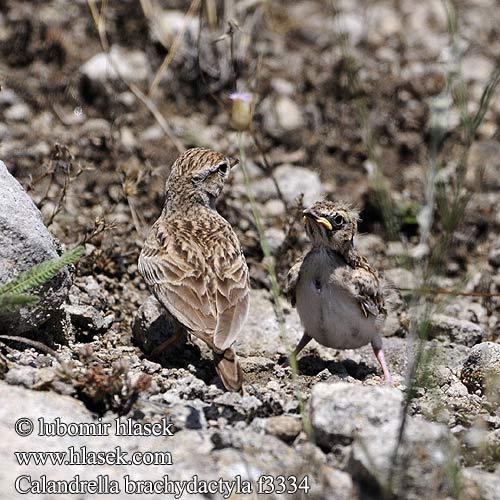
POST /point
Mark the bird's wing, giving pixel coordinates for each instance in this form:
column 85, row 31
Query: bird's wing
column 198, row 272
column 366, row 289
column 292, row 279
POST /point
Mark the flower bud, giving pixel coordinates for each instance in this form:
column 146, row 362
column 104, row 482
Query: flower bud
column 241, row 113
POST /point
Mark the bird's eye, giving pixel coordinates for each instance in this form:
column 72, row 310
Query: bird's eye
column 223, row 168
column 338, row 220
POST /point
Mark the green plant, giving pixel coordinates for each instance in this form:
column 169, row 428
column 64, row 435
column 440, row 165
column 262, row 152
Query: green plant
column 13, row 294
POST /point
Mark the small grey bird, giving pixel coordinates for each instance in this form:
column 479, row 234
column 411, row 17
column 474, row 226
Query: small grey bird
column 337, row 293
column 193, row 262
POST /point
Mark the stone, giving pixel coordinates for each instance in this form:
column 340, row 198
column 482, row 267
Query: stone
column 423, row 462
column 19, row 112
column 481, row 369
column 283, row 427
column 262, row 330
column 288, row 114
column 400, row 278
column 494, row 257
column 341, row 411
column 293, row 181
column 341, row 484
column 168, row 23
column 88, row 318
column 482, row 485
column 446, row 328
column 233, row 406
column 24, row 243
column 275, row 238
column 131, row 65
column 152, row 325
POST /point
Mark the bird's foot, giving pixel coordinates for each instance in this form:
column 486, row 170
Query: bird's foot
column 386, row 380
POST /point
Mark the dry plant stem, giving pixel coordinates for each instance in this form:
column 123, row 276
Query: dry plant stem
column 268, row 169
column 173, row 49
column 32, row 343
column 381, row 186
column 99, row 22
column 438, row 291
column 271, row 271
column 450, row 215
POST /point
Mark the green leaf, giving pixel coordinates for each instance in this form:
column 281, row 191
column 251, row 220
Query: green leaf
column 11, row 301
column 40, row 274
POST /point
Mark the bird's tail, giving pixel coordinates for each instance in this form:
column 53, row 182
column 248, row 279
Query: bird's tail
column 229, row 370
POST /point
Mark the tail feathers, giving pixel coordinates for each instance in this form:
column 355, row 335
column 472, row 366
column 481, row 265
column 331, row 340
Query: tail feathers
column 229, row 370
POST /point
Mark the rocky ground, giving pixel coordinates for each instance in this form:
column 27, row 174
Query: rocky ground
column 347, row 97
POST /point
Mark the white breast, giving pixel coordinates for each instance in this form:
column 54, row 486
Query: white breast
column 328, row 312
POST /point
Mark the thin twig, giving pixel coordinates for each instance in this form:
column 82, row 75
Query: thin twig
column 173, row 49
column 439, row 291
column 150, row 105
column 32, row 343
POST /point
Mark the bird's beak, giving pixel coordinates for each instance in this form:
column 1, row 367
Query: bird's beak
column 233, row 161
column 309, row 214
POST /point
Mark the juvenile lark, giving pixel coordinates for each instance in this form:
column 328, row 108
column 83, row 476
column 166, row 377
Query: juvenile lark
column 193, row 261
column 337, row 293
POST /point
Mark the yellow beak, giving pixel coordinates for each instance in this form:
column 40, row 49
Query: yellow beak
column 319, row 220
column 324, row 222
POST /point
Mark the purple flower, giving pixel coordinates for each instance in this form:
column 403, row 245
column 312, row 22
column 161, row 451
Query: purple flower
column 241, row 96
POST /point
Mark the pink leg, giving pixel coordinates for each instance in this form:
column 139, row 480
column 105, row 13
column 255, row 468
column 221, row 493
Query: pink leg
column 379, row 354
column 302, row 343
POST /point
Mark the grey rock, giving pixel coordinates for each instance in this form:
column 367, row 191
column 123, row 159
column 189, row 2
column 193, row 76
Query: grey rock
column 342, row 411
column 461, row 331
column 427, row 452
column 368, row 418
column 464, row 308
column 275, row 237
column 21, row 375
column 288, row 114
column 481, row 369
column 481, row 484
column 293, row 181
column 341, row 484
column 262, row 330
column 132, row 65
column 152, row 325
column 457, row 390
column 18, row 112
column 400, row 277
column 494, row 257
column 283, row 427
column 233, row 406
column 24, row 243
column 88, row 318
column 188, row 416
column 256, row 364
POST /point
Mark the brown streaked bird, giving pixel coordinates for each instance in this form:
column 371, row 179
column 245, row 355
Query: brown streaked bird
column 193, row 262
column 338, row 295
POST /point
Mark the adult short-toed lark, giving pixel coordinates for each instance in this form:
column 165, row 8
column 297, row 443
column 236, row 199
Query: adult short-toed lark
column 193, row 261
column 337, row 293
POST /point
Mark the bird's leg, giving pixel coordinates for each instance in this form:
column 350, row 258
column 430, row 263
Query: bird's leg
column 165, row 345
column 379, row 354
column 302, row 343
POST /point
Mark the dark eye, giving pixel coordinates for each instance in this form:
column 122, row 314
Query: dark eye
column 223, row 168
column 338, row 220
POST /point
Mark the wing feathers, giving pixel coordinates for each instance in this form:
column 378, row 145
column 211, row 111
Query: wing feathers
column 199, row 275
